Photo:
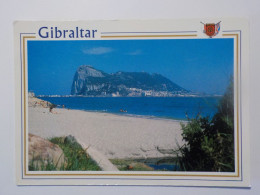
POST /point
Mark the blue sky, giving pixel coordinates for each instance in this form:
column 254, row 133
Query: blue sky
column 199, row 65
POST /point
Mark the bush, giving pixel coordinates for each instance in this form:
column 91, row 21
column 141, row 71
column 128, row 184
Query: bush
column 76, row 157
column 210, row 142
column 52, row 106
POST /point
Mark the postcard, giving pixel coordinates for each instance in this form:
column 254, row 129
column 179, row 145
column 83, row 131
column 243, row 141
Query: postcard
column 141, row 102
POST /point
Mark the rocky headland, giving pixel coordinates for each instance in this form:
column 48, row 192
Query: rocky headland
column 89, row 81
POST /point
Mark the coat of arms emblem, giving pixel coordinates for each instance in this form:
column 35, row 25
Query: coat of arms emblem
column 211, row 29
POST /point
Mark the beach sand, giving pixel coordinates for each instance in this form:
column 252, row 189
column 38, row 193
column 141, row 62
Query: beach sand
column 114, row 136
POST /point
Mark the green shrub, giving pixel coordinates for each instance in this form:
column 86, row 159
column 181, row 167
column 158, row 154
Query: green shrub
column 39, row 165
column 76, row 157
column 209, row 142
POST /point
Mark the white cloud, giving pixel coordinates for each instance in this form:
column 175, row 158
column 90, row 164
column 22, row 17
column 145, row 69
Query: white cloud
column 98, row 50
column 136, row 52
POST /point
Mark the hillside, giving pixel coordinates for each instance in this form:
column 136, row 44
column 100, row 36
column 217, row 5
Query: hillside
column 89, row 81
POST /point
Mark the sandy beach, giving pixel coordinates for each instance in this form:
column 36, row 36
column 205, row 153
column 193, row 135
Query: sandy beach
column 114, row 136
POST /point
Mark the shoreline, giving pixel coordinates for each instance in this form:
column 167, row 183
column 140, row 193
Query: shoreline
column 60, row 106
column 120, row 114
column 129, row 115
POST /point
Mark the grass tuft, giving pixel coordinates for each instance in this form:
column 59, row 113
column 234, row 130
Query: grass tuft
column 76, row 158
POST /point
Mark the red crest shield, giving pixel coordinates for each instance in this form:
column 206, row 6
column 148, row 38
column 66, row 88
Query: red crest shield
column 210, row 29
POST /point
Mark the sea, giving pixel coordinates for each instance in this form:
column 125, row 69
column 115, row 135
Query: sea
column 177, row 108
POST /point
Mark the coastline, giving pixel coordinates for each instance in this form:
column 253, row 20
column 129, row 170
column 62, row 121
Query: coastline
column 171, row 108
column 131, row 115
column 113, row 135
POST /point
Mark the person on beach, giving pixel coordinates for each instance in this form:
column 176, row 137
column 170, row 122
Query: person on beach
column 51, row 107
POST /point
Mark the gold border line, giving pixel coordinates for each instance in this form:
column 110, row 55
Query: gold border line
column 237, row 96
column 24, row 101
column 130, row 174
column 83, row 174
column 142, row 36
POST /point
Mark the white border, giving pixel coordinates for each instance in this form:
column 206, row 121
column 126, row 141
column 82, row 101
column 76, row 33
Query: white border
column 141, row 26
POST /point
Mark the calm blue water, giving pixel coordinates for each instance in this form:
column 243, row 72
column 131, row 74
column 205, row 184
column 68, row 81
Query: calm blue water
column 165, row 167
column 165, row 107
